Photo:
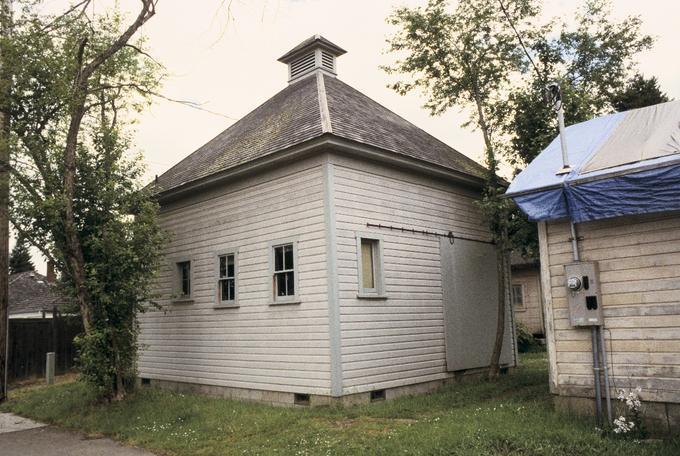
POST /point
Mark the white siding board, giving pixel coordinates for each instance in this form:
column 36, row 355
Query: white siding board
column 399, row 340
column 256, row 346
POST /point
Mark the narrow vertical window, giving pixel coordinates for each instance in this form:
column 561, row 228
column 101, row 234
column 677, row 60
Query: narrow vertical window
column 284, row 271
column 227, row 279
column 371, row 282
column 517, row 295
column 368, row 264
column 184, row 275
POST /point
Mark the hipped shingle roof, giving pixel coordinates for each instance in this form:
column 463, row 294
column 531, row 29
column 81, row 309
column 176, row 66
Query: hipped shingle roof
column 293, row 116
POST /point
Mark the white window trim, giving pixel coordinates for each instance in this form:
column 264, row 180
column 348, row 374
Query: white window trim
column 283, row 300
column 217, row 303
column 378, row 275
column 524, row 296
column 177, row 297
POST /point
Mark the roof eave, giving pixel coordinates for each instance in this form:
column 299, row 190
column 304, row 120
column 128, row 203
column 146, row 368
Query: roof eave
column 324, row 141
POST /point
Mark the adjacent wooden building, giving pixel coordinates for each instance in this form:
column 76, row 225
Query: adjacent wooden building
column 526, row 295
column 623, row 197
column 322, row 248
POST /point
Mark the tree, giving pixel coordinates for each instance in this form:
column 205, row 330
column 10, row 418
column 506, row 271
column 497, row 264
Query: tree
column 467, row 59
column 591, row 62
column 78, row 82
column 638, row 93
column 20, row 259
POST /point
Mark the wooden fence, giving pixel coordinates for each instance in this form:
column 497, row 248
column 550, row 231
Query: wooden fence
column 31, row 338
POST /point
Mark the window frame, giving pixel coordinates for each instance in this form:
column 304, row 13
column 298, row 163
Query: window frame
column 378, row 292
column 512, row 295
column 283, row 300
column 177, row 295
column 218, row 303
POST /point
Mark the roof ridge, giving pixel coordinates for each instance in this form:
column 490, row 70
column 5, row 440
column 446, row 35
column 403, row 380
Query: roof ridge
column 326, row 126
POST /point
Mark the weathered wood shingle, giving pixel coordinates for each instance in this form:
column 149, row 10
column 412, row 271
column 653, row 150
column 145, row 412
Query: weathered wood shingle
column 293, row 117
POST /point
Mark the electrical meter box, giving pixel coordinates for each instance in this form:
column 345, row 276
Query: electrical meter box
column 583, row 294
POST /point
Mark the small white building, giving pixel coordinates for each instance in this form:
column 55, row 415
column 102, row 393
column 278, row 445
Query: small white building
column 322, row 247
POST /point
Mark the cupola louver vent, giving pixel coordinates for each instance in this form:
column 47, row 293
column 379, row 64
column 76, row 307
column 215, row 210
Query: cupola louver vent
column 315, row 54
column 327, row 61
column 302, row 65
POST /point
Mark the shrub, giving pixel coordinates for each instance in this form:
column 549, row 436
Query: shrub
column 525, row 340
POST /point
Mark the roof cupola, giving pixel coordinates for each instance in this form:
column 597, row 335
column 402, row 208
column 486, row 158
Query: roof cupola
column 312, row 55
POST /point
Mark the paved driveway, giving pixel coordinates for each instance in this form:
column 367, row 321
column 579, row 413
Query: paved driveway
column 22, row 437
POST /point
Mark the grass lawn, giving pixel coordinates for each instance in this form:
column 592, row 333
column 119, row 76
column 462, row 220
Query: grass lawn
column 511, row 417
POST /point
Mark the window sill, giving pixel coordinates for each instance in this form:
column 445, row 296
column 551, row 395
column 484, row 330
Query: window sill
column 371, row 296
column 285, row 303
column 226, row 306
column 183, row 301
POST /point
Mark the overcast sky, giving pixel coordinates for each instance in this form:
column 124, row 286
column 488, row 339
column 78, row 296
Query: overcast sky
column 229, row 63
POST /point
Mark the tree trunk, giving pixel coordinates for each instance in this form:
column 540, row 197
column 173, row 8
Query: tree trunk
column 5, row 26
column 74, row 252
column 73, row 249
column 500, row 237
column 502, row 268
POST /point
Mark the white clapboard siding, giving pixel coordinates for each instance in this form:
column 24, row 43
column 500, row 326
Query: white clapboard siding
column 639, row 261
column 530, row 314
column 257, row 345
column 399, row 340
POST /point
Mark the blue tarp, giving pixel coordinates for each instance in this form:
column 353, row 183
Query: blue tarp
column 622, row 164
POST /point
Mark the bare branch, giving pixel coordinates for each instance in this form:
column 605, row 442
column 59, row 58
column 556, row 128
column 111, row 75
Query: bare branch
column 83, row 3
column 23, row 180
column 147, row 92
column 24, row 233
column 146, row 54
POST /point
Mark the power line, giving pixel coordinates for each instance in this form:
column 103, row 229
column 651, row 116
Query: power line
column 521, row 42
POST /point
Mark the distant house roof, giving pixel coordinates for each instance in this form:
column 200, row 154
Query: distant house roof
column 309, row 108
column 30, row 292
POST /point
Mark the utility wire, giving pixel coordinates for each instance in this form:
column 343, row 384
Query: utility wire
column 521, row 42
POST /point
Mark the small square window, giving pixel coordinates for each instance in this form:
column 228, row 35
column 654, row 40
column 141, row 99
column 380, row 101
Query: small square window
column 370, row 267
column 517, row 295
column 226, row 282
column 184, row 278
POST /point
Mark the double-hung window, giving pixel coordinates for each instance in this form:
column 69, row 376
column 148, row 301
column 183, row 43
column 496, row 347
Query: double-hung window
column 284, row 273
column 517, row 295
column 226, row 280
column 370, row 267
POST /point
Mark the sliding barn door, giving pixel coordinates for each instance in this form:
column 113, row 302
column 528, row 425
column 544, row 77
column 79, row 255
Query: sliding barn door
column 470, row 287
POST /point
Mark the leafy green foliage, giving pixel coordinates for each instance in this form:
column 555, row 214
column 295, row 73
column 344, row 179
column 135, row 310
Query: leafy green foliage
column 468, row 58
column 115, row 218
column 638, row 93
column 513, row 416
column 525, row 340
column 20, row 258
column 592, row 63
